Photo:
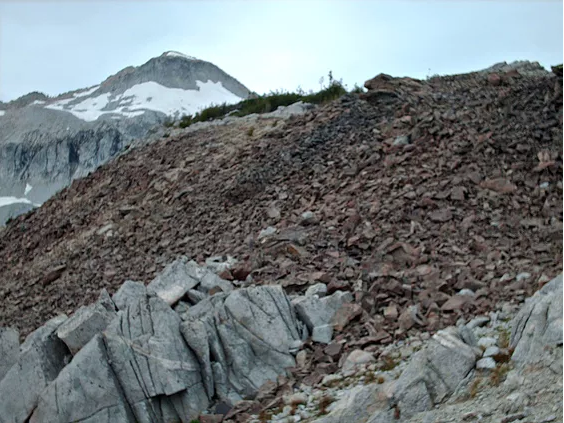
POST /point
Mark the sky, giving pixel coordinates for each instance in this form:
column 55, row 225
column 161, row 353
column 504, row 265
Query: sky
column 54, row 47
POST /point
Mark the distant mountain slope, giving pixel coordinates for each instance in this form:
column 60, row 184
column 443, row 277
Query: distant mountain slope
column 47, row 142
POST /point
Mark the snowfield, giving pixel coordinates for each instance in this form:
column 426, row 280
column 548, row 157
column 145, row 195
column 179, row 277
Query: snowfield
column 177, row 54
column 4, row 201
column 147, row 96
column 2, row 112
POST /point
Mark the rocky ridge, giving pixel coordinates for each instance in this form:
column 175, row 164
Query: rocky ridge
column 427, row 200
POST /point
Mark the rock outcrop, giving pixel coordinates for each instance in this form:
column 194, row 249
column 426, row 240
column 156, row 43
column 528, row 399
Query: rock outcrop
column 134, row 358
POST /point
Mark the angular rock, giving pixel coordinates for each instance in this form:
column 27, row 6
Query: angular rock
column 81, row 327
column 455, row 303
column 42, row 357
column 129, row 292
column 9, row 349
column 492, row 351
column 486, row 363
column 174, row 281
column 358, row 405
column 153, row 364
column 486, row 342
column 195, row 296
column 319, row 289
column 356, row 358
column 345, row 314
column 315, row 311
column 86, row 390
column 220, row 263
column 433, row 373
column 210, row 282
column 537, row 327
column 322, row 334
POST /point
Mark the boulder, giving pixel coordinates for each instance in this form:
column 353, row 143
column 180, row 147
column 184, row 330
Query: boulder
column 9, row 349
column 319, row 289
column 357, row 405
column 158, row 372
column 322, row 334
column 434, row 373
column 42, row 356
column 246, row 336
column 83, row 325
column 314, row 311
column 357, row 357
column 86, row 390
column 174, row 281
column 537, row 327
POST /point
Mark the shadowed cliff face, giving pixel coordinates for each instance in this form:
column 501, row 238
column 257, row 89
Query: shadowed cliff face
column 46, row 143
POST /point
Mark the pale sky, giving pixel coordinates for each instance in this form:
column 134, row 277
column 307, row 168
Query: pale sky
column 59, row 46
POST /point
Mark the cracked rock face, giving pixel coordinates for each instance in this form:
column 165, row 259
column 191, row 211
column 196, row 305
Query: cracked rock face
column 86, row 390
column 246, row 336
column 537, row 328
column 151, row 360
column 42, row 356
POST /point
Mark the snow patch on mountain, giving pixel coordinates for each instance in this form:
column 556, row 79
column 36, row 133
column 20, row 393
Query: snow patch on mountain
column 178, row 54
column 2, row 112
column 87, row 92
column 4, row 201
column 28, row 188
column 147, row 96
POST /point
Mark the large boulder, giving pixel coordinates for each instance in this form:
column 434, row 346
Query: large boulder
column 85, row 323
column 537, row 328
column 243, row 339
column 159, row 374
column 42, row 356
column 9, row 349
column 85, row 391
column 174, row 281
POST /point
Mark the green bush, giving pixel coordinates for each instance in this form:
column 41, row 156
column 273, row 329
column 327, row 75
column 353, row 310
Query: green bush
column 266, row 103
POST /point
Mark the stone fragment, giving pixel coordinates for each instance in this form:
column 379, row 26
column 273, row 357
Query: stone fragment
column 433, row 373
column 315, row 311
column 322, row 334
column 491, row 351
column 319, row 289
column 344, row 315
column 486, row 342
column 356, row 358
column 486, row 363
column 477, row 322
column 402, row 140
column 153, row 364
column 173, row 282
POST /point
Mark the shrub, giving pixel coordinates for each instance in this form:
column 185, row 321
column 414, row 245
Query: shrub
column 267, row 103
